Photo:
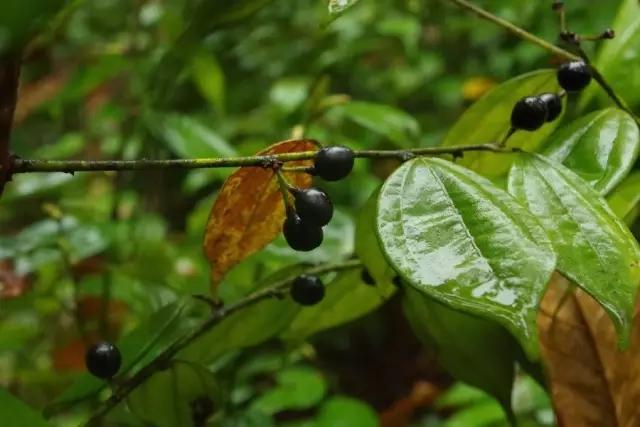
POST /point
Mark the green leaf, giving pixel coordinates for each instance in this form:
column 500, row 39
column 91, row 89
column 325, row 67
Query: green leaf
column 18, row 414
column 396, row 125
column 189, row 138
column 488, row 120
column 625, row 198
column 456, row 237
column 347, row 298
column 165, row 399
column 336, row 7
column 298, row 388
column 595, row 249
column 600, row 147
column 476, row 351
column 19, row 20
column 208, row 76
column 367, row 246
column 342, row 411
column 618, row 56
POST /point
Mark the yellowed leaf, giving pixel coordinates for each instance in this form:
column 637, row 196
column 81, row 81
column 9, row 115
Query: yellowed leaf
column 248, row 212
column 592, row 382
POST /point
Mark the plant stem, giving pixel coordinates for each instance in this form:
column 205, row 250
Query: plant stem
column 161, row 361
column 72, row 166
column 9, row 79
column 523, row 34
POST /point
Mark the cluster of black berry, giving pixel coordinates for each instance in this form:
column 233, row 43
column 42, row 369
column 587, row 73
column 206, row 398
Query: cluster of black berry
column 312, row 208
column 531, row 112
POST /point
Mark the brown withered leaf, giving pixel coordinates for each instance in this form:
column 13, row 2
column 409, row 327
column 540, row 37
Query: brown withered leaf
column 592, row 382
column 12, row 284
column 248, row 212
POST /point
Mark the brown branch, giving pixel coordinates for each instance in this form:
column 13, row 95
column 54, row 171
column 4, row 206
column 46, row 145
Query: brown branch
column 9, row 78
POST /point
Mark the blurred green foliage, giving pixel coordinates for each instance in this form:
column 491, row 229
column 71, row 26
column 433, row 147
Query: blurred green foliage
column 201, row 78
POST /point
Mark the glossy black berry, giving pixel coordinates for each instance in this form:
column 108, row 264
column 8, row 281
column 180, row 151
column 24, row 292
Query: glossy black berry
column 333, row 163
column 366, row 277
column 307, row 290
column 529, row 113
column 301, row 235
column 554, row 105
column 574, row 76
column 103, row 360
column 313, row 206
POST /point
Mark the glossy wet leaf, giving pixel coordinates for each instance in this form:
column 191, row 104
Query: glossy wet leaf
column 488, row 120
column 595, row 249
column 617, row 57
column 592, row 382
column 459, row 239
column 249, row 211
column 600, row 147
column 347, row 298
column 168, row 397
column 16, row 413
column 625, row 198
column 473, row 350
column 392, row 123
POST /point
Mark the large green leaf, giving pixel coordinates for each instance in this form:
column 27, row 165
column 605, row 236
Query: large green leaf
column 347, row 298
column 459, row 239
column 489, row 119
column 188, row 137
column 595, row 249
column 619, row 56
column 600, row 147
column 16, row 413
column 476, row 351
column 298, row 388
column 625, row 198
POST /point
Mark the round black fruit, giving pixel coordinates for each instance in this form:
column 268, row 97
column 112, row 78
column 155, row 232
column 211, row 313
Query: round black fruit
column 554, row 105
column 307, row 290
column 529, row 113
column 574, row 76
column 313, row 206
column 103, row 360
column 301, row 235
column 333, row 163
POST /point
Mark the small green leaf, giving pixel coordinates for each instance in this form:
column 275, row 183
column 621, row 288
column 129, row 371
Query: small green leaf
column 342, row 411
column 600, row 147
column 347, row 298
column 16, row 413
column 396, row 125
column 298, row 388
column 625, row 198
column 488, row 120
column 336, row 7
column 190, row 138
column 456, row 237
column 476, row 351
column 595, row 249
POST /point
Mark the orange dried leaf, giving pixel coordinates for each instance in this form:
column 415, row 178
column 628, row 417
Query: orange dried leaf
column 592, row 382
column 248, row 212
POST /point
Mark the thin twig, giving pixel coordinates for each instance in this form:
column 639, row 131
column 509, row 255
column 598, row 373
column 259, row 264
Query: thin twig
column 163, row 360
column 73, row 166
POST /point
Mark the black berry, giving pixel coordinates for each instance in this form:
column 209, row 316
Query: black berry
column 333, row 163
column 366, row 277
column 529, row 113
column 307, row 290
column 103, row 360
column 313, row 206
column 574, row 76
column 554, row 105
column 609, row 33
column 301, row 235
